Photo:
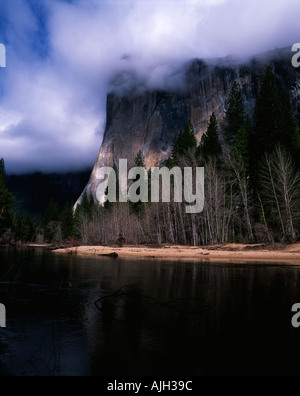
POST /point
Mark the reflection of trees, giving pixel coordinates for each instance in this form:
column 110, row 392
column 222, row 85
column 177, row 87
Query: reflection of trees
column 184, row 318
column 151, row 322
column 170, row 318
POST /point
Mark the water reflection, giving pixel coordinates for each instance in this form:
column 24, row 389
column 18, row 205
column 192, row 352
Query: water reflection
column 76, row 316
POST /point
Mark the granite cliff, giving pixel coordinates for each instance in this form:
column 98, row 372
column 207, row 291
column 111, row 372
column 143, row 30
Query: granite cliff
column 148, row 120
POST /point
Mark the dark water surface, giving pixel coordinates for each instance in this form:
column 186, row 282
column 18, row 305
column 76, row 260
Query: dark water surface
column 151, row 318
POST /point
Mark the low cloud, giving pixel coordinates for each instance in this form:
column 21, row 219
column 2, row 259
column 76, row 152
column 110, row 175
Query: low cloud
column 64, row 56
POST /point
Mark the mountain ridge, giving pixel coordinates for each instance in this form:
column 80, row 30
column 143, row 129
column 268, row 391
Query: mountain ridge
column 149, row 120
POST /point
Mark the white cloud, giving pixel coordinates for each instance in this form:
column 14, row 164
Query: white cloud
column 52, row 111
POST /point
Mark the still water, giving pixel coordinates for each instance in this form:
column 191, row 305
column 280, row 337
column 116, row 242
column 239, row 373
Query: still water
column 75, row 316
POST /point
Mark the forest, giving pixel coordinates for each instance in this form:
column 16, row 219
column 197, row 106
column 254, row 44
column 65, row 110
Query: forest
column 252, row 187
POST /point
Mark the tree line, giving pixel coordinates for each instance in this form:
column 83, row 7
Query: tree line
column 55, row 226
column 252, row 185
column 252, row 181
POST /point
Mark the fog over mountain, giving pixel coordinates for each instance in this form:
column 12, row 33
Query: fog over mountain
column 64, row 56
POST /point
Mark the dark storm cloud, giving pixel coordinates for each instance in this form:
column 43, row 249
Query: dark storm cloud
column 63, row 57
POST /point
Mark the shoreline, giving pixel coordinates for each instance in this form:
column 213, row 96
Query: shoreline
column 216, row 253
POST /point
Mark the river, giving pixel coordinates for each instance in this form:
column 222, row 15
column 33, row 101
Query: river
column 76, row 316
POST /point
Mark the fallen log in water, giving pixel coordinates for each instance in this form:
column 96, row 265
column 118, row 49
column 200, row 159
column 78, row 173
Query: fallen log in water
column 113, row 255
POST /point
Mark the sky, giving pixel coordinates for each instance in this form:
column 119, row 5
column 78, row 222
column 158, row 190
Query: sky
column 62, row 56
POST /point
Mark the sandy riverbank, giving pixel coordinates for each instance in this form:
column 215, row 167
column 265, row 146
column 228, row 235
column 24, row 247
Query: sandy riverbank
column 39, row 245
column 216, row 253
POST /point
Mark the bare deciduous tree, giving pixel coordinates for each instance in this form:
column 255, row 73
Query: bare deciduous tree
column 280, row 183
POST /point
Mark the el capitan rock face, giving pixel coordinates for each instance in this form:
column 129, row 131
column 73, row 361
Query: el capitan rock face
column 150, row 120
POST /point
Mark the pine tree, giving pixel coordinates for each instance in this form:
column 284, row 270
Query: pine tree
column 241, row 150
column 184, row 144
column 291, row 137
column 267, row 116
column 6, row 199
column 52, row 222
column 67, row 219
column 77, row 222
column 138, row 207
column 210, row 146
column 85, row 204
column 3, row 169
column 28, row 228
column 52, row 211
column 107, row 204
column 235, row 115
column 275, row 119
column 140, row 160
